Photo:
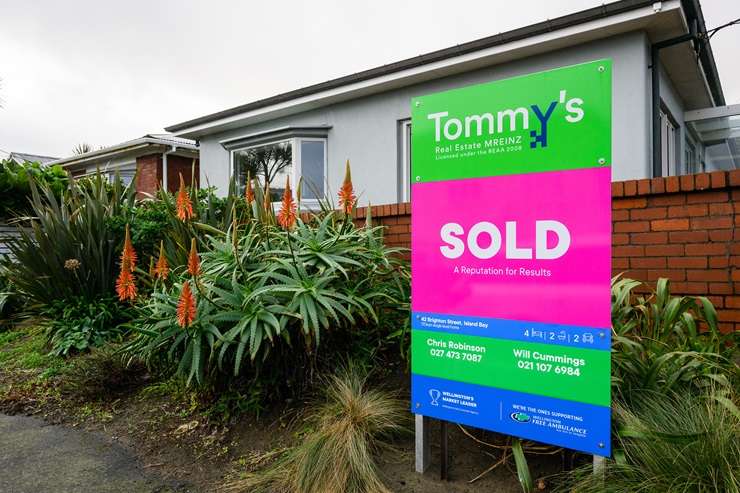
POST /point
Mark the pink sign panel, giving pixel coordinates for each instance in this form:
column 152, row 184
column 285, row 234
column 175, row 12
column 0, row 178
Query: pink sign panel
column 518, row 247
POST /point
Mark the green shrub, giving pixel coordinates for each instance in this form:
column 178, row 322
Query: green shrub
column 267, row 300
column 15, row 185
column 670, row 442
column 337, row 454
column 10, row 301
column 101, row 374
column 67, row 250
column 663, row 342
column 77, row 325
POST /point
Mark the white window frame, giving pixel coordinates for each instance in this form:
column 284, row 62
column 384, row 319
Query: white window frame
column 298, row 167
column 295, row 174
column 670, row 132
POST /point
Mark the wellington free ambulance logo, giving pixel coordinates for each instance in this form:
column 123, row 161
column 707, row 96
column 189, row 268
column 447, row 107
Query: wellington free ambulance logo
column 520, row 417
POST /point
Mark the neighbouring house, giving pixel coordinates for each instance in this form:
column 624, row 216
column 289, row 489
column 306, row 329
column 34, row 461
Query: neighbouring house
column 22, row 157
column 155, row 160
column 669, row 113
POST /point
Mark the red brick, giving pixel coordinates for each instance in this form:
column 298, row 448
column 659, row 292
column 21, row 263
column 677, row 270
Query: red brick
column 629, row 203
column 717, row 301
column 673, row 199
column 719, row 262
column 650, row 238
column 734, row 177
column 720, row 209
column 729, row 315
column 643, row 186
column 688, row 262
column 620, row 239
column 664, row 250
column 649, row 213
column 732, row 301
column 687, row 183
column 706, row 249
column 689, row 288
column 718, row 179
column 403, row 220
column 630, row 188
column 628, row 251
column 669, row 225
column 620, row 263
column 648, row 262
column 688, row 210
column 711, row 223
column 657, row 185
column 735, row 261
column 709, row 275
column 720, row 235
column 621, row 215
column 638, row 274
column 617, row 189
column 688, row 237
column 701, row 181
column 671, row 184
column 672, row 274
column 706, row 197
column 398, row 229
column 632, row 227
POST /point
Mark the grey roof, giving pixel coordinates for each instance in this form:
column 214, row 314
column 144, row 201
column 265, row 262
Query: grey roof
column 146, row 140
column 22, row 157
column 691, row 7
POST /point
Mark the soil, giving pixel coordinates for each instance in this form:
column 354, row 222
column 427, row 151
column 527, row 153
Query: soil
column 179, row 447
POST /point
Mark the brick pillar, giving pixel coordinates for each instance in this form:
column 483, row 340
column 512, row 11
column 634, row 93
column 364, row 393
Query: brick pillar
column 149, row 176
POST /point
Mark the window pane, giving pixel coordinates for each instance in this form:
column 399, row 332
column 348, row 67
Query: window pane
column 312, row 169
column 270, row 162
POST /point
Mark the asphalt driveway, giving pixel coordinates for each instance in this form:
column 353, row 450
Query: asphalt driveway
column 40, row 458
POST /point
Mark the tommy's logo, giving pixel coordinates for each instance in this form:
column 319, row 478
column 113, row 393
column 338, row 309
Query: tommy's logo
column 507, row 121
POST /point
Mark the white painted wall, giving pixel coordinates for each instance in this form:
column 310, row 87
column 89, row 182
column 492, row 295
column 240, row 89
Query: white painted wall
column 365, row 130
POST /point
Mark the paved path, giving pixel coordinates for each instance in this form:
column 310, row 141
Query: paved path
column 40, row 458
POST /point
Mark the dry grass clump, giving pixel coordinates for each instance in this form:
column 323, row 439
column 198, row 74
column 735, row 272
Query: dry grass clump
column 337, row 456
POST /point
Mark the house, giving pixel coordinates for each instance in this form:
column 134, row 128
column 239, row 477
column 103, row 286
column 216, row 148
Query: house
column 667, row 121
column 156, row 160
column 20, row 158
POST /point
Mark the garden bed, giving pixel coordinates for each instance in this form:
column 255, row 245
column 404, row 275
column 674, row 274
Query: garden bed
column 169, row 431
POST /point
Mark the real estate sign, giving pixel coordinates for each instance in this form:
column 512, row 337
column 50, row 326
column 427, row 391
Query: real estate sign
column 511, row 256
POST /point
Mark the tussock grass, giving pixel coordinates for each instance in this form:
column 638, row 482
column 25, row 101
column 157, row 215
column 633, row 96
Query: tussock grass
column 670, row 443
column 338, row 455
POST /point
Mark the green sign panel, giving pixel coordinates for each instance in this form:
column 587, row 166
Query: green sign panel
column 554, row 120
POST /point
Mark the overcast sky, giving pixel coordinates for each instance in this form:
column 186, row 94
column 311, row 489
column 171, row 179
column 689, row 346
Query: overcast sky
column 104, row 72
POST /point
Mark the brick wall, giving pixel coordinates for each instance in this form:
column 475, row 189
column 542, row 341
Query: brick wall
column 149, row 178
column 180, row 164
column 684, row 228
column 149, row 174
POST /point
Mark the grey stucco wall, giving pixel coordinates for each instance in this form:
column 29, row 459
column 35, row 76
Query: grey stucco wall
column 365, row 130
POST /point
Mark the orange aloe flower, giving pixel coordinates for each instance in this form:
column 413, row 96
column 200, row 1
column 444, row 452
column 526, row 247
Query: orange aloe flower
column 193, row 260
column 347, row 197
column 287, row 215
column 184, row 205
column 128, row 254
column 249, row 192
column 125, row 284
column 162, row 269
column 186, row 306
